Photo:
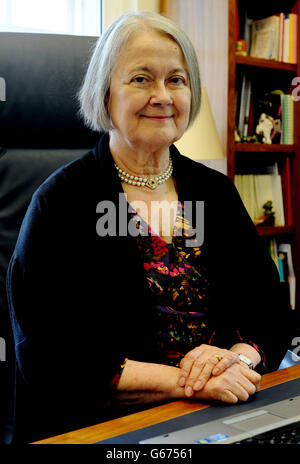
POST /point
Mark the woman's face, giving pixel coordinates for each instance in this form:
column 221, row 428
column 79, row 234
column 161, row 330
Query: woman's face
column 149, row 97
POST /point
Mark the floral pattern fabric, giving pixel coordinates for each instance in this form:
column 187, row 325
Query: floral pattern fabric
column 176, row 275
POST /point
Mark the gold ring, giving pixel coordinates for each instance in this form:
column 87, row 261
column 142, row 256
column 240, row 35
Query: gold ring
column 218, row 357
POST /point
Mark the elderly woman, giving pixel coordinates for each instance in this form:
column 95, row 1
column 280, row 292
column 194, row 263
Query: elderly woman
column 114, row 299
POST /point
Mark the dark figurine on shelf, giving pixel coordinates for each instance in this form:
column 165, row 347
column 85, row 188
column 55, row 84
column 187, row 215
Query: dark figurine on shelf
column 265, row 128
column 268, row 218
column 249, row 139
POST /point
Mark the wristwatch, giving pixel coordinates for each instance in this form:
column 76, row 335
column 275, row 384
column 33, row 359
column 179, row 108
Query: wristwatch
column 246, row 360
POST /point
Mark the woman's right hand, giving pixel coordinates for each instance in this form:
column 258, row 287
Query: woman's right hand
column 235, row 384
column 199, row 364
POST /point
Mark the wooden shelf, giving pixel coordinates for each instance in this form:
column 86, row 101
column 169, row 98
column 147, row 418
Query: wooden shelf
column 270, row 231
column 262, row 147
column 243, row 158
column 262, row 63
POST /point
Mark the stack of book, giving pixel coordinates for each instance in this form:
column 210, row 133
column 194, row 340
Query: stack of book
column 274, row 37
column 276, row 104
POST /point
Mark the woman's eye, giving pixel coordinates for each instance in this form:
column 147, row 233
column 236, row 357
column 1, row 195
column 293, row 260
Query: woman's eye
column 177, row 80
column 139, row 79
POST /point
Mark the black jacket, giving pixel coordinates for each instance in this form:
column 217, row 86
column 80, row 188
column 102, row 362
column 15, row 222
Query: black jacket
column 73, row 312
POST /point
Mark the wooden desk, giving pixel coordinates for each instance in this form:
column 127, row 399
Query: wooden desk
column 152, row 416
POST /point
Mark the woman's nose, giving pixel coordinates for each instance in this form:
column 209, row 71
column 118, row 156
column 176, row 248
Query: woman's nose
column 161, row 95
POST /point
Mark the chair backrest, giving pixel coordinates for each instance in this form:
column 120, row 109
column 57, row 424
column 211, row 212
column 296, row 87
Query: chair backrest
column 40, row 130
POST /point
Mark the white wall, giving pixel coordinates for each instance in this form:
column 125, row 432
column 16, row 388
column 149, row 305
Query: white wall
column 112, row 9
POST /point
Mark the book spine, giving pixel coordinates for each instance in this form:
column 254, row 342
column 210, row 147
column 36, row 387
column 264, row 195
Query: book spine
column 292, row 119
column 286, row 248
column 281, row 104
column 286, row 39
column 247, row 107
column 295, row 47
column 289, row 118
column 242, row 107
column 284, row 121
column 280, row 38
column 280, row 269
column 291, row 38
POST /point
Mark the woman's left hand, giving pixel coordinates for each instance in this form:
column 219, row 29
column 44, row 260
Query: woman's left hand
column 201, row 363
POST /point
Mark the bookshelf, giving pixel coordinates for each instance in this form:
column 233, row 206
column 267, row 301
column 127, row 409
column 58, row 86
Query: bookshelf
column 211, row 25
column 276, row 74
column 264, row 70
column 263, row 63
column 261, row 148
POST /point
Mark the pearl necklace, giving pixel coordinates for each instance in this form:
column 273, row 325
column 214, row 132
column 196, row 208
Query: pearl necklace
column 150, row 182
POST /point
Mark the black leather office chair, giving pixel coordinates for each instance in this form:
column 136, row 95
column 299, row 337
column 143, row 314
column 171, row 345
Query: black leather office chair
column 40, row 130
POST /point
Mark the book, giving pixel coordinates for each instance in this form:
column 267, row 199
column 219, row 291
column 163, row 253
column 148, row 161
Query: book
column 286, row 248
column 292, row 48
column 264, row 35
column 283, row 264
column 280, row 37
column 287, row 119
column 291, row 41
column 295, row 41
column 286, row 38
column 273, row 252
column 243, row 99
column 273, row 37
column 247, row 107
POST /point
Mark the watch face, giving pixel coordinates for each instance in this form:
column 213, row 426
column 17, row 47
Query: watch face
column 246, row 360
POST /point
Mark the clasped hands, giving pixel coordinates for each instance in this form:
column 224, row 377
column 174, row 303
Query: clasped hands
column 209, row 372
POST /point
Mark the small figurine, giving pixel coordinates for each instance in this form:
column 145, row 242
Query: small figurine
column 268, row 208
column 268, row 218
column 277, row 129
column 265, row 127
column 237, row 137
column 241, row 47
column 249, row 139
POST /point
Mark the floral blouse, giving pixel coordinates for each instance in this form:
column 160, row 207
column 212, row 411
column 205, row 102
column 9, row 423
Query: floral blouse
column 177, row 276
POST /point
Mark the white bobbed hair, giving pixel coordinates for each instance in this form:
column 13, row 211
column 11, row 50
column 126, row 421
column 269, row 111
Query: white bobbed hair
column 95, row 89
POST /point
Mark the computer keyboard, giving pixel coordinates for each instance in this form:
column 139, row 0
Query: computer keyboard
column 288, row 434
